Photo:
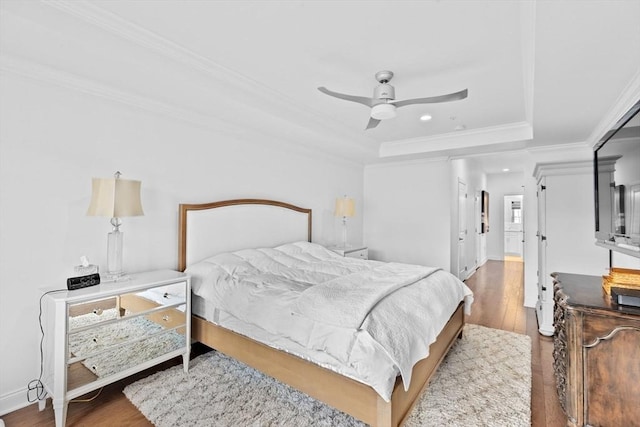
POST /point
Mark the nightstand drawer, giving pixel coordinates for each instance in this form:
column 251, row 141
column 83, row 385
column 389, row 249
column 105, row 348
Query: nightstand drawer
column 361, row 254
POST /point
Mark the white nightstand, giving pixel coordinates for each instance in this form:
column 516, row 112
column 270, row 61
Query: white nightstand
column 361, row 252
column 98, row 335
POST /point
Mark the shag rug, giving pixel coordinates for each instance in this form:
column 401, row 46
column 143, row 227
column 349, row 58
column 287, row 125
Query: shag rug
column 97, row 344
column 485, row 380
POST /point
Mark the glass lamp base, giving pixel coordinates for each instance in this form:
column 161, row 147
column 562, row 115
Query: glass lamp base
column 114, row 255
column 345, row 245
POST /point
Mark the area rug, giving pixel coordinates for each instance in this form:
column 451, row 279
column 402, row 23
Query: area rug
column 101, row 345
column 485, row 380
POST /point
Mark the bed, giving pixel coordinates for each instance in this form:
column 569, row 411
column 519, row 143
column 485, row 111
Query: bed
column 213, row 231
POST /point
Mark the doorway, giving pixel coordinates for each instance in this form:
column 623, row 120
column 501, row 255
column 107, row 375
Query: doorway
column 514, row 227
column 462, row 230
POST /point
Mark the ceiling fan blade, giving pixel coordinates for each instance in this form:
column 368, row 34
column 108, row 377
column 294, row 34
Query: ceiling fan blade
column 432, row 99
column 369, row 102
column 372, row 123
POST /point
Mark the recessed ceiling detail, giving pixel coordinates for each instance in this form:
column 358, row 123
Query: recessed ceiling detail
column 533, row 81
column 464, row 139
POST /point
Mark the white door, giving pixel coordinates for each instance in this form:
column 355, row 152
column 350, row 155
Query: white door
column 544, row 306
column 542, row 239
column 476, row 225
column 462, row 230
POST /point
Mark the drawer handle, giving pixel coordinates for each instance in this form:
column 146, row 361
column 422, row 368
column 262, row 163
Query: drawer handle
column 166, row 318
column 97, row 311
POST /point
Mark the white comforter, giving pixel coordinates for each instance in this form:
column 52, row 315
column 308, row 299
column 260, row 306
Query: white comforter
column 325, row 302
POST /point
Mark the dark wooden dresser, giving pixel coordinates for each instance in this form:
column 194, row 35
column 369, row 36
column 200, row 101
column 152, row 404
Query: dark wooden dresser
column 596, row 354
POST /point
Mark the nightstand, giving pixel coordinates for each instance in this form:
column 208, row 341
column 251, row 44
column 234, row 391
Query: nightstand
column 98, row 335
column 360, row 252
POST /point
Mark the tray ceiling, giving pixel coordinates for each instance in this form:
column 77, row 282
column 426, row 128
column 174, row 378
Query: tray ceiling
column 538, row 73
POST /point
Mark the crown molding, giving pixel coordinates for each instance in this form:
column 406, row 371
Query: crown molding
column 74, row 82
column 252, row 89
column 48, row 75
column 570, row 146
column 116, row 25
column 519, row 131
column 562, row 168
column 629, row 96
column 408, row 162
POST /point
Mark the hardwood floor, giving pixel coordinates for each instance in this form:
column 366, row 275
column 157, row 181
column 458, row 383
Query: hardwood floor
column 498, row 292
column 498, row 303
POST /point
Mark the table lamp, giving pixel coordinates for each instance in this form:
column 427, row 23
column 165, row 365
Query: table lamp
column 115, row 198
column 346, row 208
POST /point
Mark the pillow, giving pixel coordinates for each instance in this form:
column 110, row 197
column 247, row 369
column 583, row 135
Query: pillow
column 205, row 276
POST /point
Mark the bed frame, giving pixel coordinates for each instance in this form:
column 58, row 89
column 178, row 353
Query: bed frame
column 277, row 223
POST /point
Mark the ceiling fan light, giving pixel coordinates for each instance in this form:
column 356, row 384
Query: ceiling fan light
column 383, row 111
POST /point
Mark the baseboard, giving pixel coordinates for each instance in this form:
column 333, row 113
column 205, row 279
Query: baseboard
column 530, row 303
column 13, row 401
column 546, row 332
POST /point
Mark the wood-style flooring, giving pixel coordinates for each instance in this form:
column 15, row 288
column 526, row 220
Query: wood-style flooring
column 498, row 303
column 498, row 291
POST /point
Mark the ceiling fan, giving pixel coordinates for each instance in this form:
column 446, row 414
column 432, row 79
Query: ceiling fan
column 383, row 104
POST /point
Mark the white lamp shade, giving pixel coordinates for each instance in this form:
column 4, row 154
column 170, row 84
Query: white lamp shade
column 383, row 111
column 345, row 207
column 115, row 198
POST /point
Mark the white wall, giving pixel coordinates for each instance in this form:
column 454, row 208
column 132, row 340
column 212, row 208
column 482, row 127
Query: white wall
column 570, row 225
column 407, row 212
column 54, row 140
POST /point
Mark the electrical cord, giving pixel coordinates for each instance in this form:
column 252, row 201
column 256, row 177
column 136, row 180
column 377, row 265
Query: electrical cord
column 35, row 388
column 89, row 399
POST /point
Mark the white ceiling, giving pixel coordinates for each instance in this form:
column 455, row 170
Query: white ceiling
column 538, row 73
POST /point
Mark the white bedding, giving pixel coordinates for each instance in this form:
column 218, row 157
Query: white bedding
column 290, row 297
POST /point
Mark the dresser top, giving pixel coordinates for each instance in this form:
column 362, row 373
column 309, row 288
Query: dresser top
column 134, row 282
column 584, row 291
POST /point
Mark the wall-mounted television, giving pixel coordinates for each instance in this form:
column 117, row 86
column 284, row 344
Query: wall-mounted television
column 617, row 185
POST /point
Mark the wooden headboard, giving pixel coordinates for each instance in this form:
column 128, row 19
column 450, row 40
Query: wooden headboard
column 207, row 229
